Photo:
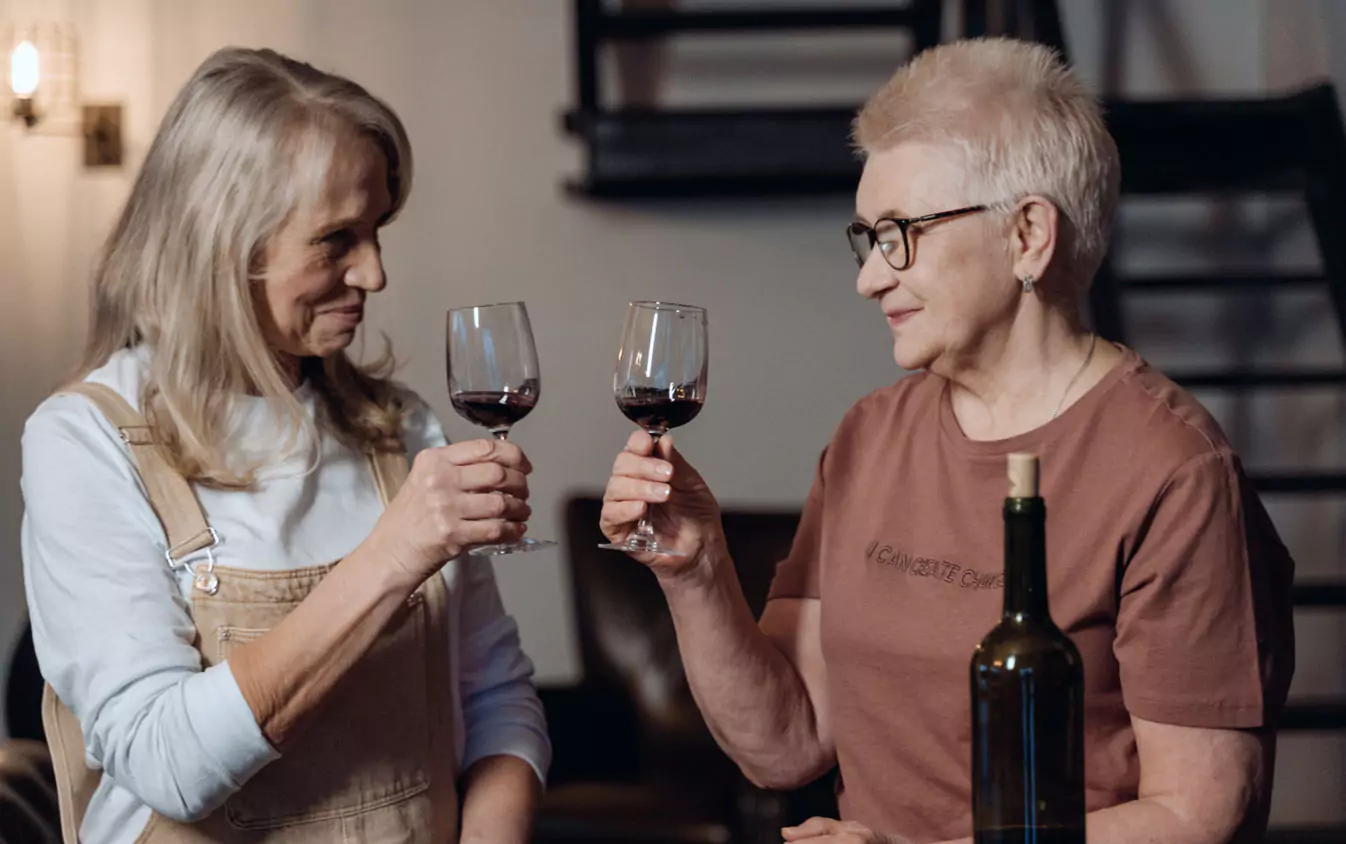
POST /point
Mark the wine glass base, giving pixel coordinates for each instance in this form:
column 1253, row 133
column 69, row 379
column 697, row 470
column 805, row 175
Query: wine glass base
column 647, row 547
column 521, row 547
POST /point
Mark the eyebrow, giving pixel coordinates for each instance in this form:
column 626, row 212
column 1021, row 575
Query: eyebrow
column 347, row 222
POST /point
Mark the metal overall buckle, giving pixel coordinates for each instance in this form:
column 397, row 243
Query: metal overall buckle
column 202, row 571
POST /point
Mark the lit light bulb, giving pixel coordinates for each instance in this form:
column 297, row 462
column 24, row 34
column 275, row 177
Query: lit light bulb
column 23, row 69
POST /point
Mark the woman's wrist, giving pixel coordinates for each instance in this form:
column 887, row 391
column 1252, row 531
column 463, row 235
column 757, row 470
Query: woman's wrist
column 700, row 572
column 385, row 567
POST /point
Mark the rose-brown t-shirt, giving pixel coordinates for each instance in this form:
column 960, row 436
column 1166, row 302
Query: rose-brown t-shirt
column 1162, row 566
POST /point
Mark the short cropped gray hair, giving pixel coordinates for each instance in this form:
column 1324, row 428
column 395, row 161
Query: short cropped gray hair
column 1023, row 124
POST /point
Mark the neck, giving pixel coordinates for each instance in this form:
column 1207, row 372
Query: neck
column 1012, row 379
column 292, row 369
column 1026, row 559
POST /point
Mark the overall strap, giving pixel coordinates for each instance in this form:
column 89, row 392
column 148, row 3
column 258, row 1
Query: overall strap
column 185, row 526
column 170, row 494
column 75, row 780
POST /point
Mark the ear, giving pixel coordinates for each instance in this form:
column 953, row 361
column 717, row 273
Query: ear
column 1034, row 228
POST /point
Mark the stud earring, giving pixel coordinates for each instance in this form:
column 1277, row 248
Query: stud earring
column 1028, row 283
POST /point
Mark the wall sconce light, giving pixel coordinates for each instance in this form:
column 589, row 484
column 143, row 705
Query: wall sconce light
column 43, row 76
column 25, row 70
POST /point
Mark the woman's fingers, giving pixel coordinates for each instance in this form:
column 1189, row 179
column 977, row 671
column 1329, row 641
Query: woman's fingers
column 503, row 452
column 620, row 514
column 490, row 531
column 494, row 505
column 811, row 828
column 633, row 489
column 648, row 468
column 640, row 443
column 492, row 477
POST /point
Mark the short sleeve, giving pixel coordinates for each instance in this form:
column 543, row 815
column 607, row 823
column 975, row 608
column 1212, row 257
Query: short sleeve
column 1203, row 626
column 797, row 576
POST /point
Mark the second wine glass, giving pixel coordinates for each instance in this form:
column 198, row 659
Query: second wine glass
column 660, row 383
column 493, row 379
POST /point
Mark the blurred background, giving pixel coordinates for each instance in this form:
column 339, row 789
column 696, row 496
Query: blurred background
column 577, row 155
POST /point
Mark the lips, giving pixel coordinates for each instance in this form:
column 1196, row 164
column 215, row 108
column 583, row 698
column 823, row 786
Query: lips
column 351, row 314
column 900, row 315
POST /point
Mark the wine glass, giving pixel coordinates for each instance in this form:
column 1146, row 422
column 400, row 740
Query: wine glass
column 660, row 383
column 493, row 379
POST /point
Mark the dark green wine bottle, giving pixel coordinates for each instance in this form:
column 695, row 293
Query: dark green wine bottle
column 1027, row 695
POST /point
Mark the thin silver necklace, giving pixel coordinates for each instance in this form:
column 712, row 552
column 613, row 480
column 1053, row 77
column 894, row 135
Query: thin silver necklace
column 1093, row 339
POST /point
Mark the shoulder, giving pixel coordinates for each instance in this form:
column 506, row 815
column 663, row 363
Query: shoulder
column 68, row 420
column 1166, row 425
column 915, row 393
column 126, row 372
column 868, row 426
column 77, row 470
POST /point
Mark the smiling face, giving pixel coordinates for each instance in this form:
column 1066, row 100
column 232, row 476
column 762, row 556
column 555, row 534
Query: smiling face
column 960, row 285
column 325, row 259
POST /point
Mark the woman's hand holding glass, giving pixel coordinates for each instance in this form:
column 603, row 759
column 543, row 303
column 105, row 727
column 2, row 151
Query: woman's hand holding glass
column 456, row 497
column 687, row 518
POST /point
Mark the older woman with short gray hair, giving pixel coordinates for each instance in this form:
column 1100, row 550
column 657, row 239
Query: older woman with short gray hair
column 981, row 216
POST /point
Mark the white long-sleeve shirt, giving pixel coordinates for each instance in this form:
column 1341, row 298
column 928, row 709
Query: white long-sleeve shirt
column 114, row 636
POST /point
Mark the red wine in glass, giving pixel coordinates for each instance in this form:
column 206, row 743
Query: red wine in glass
column 659, row 410
column 493, row 379
column 496, row 410
column 660, row 383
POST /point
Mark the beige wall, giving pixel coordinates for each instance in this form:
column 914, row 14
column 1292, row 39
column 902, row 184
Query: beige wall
column 480, row 84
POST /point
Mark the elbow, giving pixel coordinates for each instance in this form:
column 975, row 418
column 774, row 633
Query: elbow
column 1247, row 823
column 785, row 775
column 772, row 780
column 1231, row 818
column 175, row 795
column 1241, row 816
column 185, row 787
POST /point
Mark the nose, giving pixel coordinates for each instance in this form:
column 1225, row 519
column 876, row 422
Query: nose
column 876, row 277
column 366, row 271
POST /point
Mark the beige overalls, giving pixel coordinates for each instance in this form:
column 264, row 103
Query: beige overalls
column 377, row 764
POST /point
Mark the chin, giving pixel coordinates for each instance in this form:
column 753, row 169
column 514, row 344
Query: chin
column 333, row 344
column 911, row 357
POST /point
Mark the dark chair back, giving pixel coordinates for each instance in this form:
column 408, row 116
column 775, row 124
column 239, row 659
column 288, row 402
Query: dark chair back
column 626, row 636
column 28, row 807
column 23, row 691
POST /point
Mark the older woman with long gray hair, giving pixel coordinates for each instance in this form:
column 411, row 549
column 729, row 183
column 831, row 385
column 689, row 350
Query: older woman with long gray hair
column 214, row 675
column 982, row 214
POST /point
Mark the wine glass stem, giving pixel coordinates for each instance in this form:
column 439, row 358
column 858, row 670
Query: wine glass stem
column 644, row 530
column 501, row 434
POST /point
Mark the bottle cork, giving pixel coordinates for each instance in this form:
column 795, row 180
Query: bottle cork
column 1023, row 475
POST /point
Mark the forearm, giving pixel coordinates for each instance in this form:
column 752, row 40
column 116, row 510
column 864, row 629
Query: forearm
column 1157, row 821
column 500, row 795
column 1160, row 821
column 753, row 699
column 286, row 674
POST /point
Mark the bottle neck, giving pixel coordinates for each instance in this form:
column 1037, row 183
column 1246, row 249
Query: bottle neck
column 1026, row 559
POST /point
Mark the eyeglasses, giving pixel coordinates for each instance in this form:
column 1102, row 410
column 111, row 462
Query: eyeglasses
column 890, row 235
